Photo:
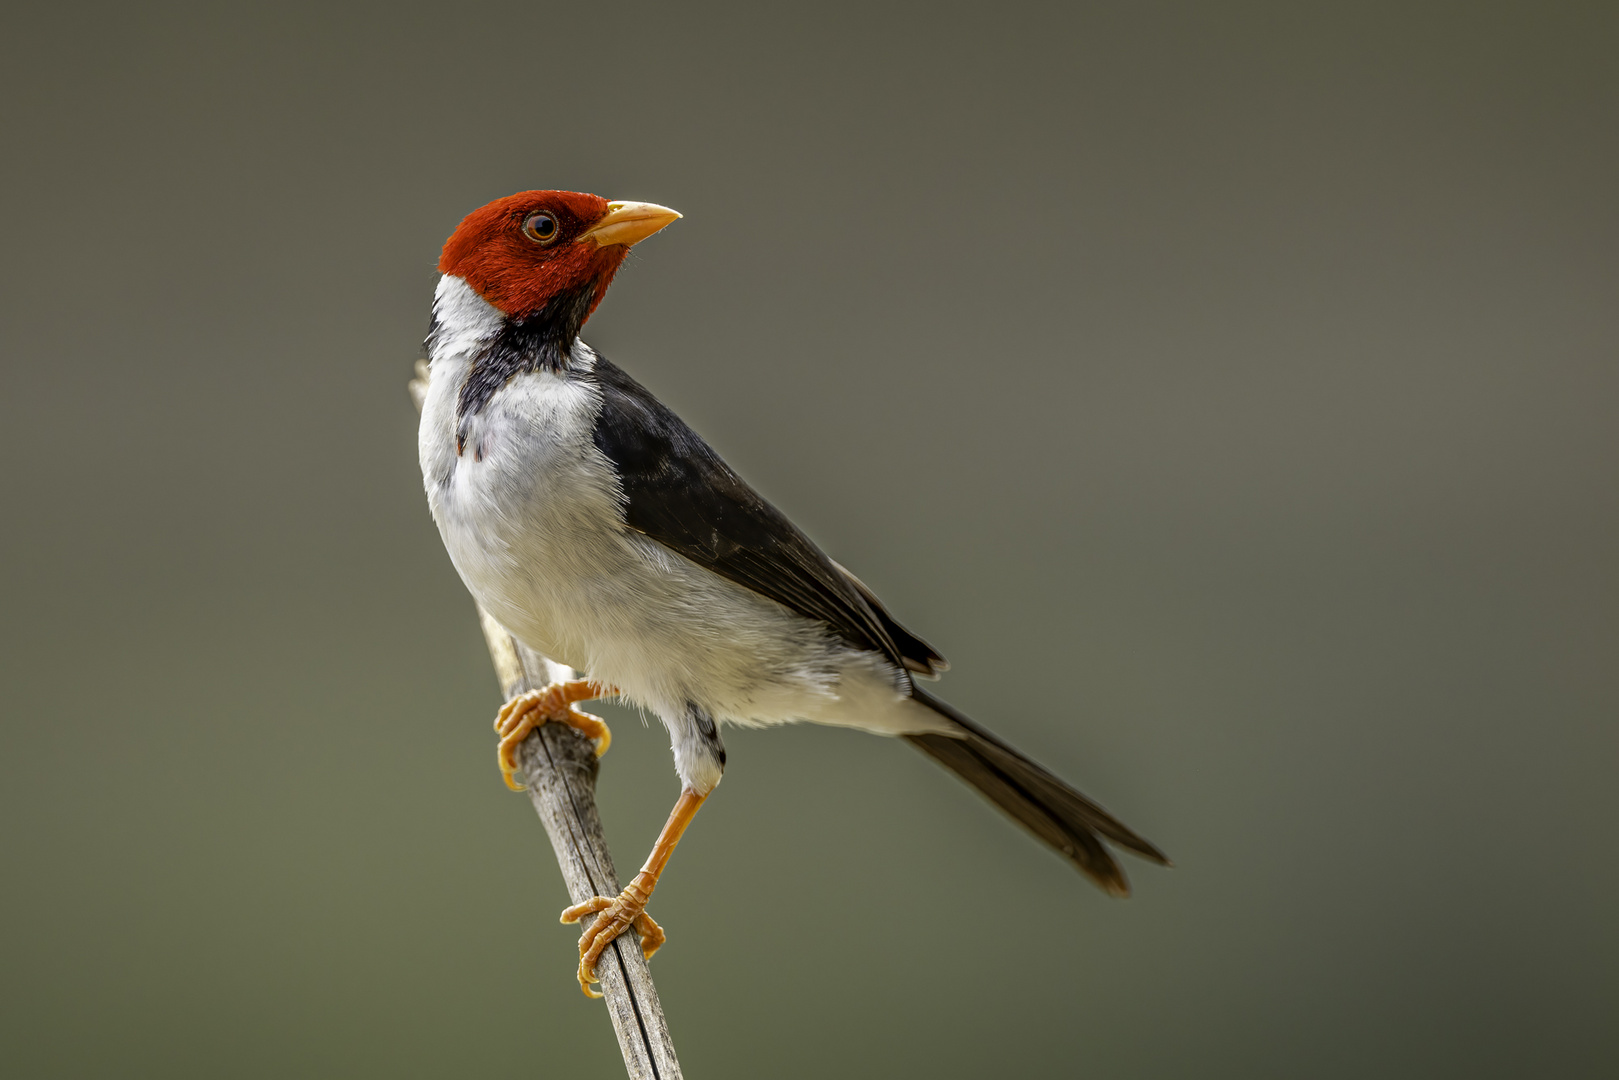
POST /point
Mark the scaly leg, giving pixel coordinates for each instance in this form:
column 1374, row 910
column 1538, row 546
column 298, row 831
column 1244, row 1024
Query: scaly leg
column 527, row 711
column 614, row 916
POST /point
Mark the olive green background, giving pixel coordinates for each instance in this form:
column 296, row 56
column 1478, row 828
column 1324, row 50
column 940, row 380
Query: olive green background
column 1228, row 390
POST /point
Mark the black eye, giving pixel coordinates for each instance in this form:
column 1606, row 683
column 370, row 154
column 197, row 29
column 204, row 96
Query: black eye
column 540, row 227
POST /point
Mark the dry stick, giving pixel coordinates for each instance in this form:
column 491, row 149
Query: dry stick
column 559, row 768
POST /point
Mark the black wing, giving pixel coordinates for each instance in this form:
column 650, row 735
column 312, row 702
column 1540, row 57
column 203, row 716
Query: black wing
column 679, row 492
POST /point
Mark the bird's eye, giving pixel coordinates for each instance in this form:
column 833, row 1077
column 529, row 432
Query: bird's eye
column 541, row 228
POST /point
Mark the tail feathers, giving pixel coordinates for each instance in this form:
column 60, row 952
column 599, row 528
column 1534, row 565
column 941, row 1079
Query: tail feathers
column 1035, row 799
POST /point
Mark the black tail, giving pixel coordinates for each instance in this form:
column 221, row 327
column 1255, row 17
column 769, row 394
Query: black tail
column 1034, row 798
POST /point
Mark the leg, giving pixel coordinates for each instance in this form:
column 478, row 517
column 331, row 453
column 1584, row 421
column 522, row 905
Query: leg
column 527, row 711
column 614, row 916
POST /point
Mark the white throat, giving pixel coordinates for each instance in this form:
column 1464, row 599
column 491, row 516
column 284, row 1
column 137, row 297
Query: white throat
column 462, row 320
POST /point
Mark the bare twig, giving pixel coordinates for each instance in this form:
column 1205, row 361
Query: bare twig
column 559, row 767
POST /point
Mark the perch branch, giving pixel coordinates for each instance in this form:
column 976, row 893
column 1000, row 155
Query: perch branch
column 559, row 768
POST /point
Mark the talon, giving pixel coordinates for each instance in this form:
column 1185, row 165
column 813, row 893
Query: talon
column 527, row 711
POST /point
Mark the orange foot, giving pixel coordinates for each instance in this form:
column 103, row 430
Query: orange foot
column 613, row 917
column 527, row 711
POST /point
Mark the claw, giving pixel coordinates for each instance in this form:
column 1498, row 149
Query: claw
column 586, row 976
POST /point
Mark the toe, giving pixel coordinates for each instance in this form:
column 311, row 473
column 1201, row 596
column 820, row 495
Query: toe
column 589, row 907
column 594, row 727
column 594, row 942
column 515, row 721
column 506, row 756
column 510, row 743
column 652, row 935
column 515, row 707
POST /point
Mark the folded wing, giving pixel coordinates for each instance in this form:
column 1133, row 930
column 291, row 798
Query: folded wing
column 679, row 492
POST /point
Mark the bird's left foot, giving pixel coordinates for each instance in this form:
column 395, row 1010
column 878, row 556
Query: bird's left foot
column 527, row 711
column 613, row 917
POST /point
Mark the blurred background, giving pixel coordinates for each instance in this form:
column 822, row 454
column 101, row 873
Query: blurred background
column 1229, row 391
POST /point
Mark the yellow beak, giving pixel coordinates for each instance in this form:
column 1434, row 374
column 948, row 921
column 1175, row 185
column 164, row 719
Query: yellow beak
column 629, row 223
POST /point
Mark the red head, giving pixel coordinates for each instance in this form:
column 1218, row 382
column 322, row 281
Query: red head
column 522, row 251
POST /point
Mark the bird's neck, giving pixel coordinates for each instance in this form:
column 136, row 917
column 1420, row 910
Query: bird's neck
column 495, row 347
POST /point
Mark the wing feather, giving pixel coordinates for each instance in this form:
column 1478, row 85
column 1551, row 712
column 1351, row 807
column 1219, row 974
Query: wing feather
column 679, row 492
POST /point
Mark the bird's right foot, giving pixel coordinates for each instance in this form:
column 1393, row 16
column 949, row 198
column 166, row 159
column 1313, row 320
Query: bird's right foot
column 614, row 915
column 529, row 710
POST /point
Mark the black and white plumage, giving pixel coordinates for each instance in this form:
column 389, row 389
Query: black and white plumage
column 600, row 530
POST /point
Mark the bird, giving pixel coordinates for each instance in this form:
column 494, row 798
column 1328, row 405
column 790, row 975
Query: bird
column 600, row 530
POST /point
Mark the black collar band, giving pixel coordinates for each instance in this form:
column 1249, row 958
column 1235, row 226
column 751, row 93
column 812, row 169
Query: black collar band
column 541, row 342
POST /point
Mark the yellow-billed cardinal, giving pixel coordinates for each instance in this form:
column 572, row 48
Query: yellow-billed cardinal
column 601, row 531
